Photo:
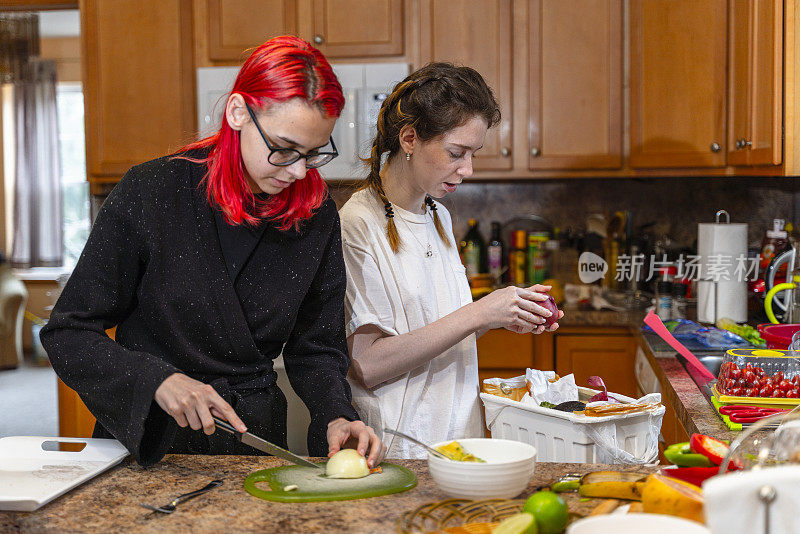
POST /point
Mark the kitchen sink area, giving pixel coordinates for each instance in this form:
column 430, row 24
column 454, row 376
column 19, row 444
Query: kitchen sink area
column 712, row 361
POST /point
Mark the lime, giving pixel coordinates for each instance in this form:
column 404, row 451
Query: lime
column 550, row 511
column 523, row 523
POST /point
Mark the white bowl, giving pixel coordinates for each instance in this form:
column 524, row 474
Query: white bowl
column 636, row 524
column 506, row 473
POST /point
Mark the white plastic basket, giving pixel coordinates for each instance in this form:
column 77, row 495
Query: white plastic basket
column 566, row 437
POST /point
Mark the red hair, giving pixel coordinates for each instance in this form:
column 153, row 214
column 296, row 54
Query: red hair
column 283, row 68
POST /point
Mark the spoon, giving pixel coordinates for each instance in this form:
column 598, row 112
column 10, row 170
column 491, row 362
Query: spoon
column 414, row 440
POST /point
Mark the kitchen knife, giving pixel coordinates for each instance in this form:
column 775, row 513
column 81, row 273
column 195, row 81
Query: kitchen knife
column 265, row 446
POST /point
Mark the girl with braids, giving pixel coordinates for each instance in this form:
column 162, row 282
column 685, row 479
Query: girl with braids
column 212, row 262
column 411, row 322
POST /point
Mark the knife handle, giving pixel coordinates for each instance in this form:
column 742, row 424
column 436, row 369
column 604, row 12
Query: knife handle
column 224, row 425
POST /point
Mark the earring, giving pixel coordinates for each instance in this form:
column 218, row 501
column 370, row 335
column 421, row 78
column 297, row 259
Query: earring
column 408, row 156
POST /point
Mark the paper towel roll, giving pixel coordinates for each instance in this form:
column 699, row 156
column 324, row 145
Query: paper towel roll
column 720, row 247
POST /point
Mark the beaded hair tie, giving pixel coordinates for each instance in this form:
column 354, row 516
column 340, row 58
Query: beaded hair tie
column 430, row 203
column 389, row 211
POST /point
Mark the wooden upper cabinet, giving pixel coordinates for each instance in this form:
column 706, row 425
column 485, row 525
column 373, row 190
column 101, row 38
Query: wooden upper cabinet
column 358, row 28
column 575, row 84
column 678, row 54
column 339, row 28
column 138, row 81
column 236, row 25
column 476, row 33
column 755, row 93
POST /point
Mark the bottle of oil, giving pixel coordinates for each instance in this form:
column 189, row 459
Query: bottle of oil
column 517, row 264
column 473, row 250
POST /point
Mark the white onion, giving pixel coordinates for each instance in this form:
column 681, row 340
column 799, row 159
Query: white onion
column 347, row 463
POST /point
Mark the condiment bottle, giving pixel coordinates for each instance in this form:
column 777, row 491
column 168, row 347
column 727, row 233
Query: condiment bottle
column 516, row 259
column 679, row 303
column 473, row 250
column 495, row 253
column 664, row 300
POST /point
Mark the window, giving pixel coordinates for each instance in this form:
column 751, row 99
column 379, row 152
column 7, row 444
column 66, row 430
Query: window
column 72, row 158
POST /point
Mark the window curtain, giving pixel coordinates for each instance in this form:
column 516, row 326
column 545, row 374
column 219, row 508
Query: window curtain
column 37, row 185
column 37, row 177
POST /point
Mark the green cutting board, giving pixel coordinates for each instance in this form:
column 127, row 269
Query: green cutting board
column 313, row 486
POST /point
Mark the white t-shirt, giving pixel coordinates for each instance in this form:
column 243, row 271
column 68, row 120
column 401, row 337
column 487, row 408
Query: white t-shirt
column 399, row 293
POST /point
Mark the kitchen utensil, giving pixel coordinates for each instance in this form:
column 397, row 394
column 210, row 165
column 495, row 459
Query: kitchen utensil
column 265, row 446
column 414, row 440
column 740, row 492
column 506, row 471
column 763, row 459
column 473, row 516
column 33, row 471
column 767, row 495
column 169, row 508
column 654, row 321
column 636, row 524
column 786, row 257
column 312, row 486
column 792, row 300
column 748, row 414
column 707, row 392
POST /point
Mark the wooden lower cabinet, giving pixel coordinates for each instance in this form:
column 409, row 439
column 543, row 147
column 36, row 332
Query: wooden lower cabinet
column 74, row 418
column 672, row 431
column 505, row 354
column 605, row 352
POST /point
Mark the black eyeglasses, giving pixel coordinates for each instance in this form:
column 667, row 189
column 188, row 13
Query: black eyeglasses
column 283, row 157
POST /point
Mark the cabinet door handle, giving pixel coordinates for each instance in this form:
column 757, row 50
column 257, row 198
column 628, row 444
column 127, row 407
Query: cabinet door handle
column 738, row 144
column 746, row 144
column 318, row 39
column 715, row 147
column 505, row 151
column 535, row 152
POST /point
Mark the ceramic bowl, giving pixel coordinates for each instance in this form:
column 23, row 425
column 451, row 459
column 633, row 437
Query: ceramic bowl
column 507, row 472
column 636, row 524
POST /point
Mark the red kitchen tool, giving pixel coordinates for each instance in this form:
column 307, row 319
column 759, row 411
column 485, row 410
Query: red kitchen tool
column 739, row 413
column 654, row 321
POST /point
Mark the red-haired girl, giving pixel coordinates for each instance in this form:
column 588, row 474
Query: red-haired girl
column 211, row 262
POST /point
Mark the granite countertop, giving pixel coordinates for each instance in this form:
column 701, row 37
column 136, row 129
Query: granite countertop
column 108, row 503
column 575, row 316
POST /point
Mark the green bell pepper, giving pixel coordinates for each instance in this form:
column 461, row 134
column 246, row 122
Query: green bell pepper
column 681, row 455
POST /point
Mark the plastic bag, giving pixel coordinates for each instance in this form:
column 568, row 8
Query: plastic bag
column 509, row 388
column 610, row 449
column 545, row 386
column 708, row 336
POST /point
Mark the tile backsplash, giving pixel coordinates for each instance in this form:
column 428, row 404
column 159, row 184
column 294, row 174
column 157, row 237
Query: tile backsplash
column 676, row 204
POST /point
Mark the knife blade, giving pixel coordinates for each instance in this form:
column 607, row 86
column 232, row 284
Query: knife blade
column 265, row 446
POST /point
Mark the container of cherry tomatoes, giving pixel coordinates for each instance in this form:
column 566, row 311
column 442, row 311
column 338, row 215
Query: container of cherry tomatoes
column 759, row 376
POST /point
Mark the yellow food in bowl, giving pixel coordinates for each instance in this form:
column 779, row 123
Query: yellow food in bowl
column 456, row 452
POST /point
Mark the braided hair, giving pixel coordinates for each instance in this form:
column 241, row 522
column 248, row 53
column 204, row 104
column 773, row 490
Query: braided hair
column 433, row 100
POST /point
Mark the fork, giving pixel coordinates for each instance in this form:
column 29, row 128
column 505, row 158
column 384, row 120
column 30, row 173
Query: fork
column 169, row 508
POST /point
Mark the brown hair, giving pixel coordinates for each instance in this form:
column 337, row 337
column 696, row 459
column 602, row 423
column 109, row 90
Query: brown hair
column 433, row 100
